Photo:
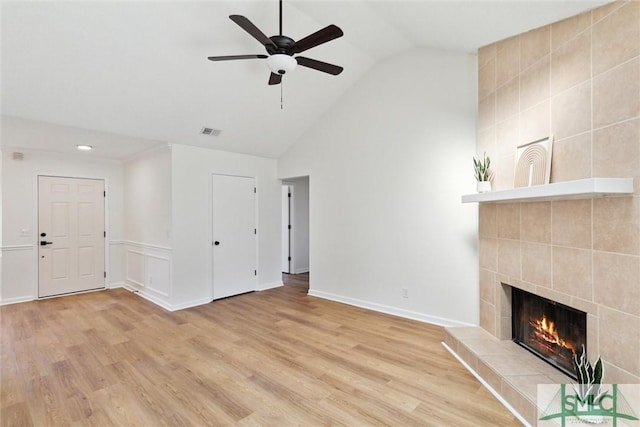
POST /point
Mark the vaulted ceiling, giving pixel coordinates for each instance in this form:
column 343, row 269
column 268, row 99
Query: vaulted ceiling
column 140, row 69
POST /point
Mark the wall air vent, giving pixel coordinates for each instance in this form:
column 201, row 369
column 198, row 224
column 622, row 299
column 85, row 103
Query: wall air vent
column 18, row 156
column 210, row 131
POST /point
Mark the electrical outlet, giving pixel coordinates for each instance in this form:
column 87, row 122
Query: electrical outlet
column 405, row 293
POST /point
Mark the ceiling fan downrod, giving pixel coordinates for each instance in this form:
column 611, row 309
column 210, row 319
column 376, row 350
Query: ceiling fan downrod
column 281, row 17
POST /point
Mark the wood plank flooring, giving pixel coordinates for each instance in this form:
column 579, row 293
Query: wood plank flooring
column 271, row 358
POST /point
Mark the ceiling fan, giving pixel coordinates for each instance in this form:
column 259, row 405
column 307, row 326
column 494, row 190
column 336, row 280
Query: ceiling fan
column 281, row 49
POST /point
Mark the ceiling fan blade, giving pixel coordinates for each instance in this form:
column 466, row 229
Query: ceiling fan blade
column 275, row 79
column 252, row 29
column 232, row 57
column 319, row 37
column 319, row 65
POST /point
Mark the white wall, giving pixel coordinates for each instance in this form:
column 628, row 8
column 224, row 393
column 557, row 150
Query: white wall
column 19, row 219
column 147, row 196
column 387, row 166
column 147, row 225
column 192, row 168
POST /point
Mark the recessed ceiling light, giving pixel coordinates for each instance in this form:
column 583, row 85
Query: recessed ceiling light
column 84, row 147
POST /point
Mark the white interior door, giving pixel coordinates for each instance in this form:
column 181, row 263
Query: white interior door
column 72, row 235
column 286, row 229
column 234, row 235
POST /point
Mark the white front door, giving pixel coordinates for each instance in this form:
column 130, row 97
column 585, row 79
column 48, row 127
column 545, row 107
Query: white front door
column 234, row 235
column 71, row 235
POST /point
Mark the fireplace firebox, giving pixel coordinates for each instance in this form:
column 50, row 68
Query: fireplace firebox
column 550, row 330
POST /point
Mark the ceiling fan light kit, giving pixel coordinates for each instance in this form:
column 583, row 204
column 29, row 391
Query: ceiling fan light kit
column 281, row 63
column 281, row 49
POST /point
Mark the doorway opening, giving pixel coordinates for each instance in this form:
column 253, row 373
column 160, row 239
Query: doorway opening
column 295, row 225
column 286, row 226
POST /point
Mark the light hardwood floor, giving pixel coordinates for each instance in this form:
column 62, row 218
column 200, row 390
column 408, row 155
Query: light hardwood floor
column 272, row 358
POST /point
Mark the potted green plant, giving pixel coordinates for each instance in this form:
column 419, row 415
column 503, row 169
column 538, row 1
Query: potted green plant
column 589, row 392
column 482, row 173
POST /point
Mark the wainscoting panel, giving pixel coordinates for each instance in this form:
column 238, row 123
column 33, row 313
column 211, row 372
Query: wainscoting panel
column 135, row 268
column 19, row 277
column 148, row 271
column 159, row 274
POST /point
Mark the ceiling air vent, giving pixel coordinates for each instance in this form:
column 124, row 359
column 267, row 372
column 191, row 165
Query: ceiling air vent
column 210, row 131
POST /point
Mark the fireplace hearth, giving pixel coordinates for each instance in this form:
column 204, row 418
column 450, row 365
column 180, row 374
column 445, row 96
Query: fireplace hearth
column 550, row 330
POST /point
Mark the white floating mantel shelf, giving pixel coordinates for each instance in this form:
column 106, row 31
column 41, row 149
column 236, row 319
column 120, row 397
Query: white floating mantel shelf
column 580, row 189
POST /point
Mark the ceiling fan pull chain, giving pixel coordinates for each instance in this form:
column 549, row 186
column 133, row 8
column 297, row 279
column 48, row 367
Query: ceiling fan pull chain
column 281, row 84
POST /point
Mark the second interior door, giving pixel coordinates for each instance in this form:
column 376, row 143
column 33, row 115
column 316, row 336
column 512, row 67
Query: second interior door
column 234, row 235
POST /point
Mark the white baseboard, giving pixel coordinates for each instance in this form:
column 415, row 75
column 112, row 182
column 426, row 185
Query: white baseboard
column 267, row 286
column 148, row 297
column 301, row 270
column 487, row 386
column 413, row 315
column 164, row 304
column 116, row 285
column 16, row 300
column 130, row 288
column 190, row 304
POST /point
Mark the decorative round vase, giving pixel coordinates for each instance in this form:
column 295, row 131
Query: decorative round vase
column 484, row 186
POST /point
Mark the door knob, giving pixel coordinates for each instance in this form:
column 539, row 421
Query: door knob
column 216, row 243
column 43, row 243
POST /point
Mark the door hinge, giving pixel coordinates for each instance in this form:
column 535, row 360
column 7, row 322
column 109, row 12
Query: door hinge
column 289, row 259
column 288, row 194
column 105, row 234
column 255, row 272
column 255, row 190
column 105, row 274
column 104, row 194
column 255, row 231
column 289, row 226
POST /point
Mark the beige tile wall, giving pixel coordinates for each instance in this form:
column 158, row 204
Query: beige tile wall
column 579, row 80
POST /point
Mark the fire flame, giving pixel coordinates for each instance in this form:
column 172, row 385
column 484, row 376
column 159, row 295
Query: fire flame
column 546, row 330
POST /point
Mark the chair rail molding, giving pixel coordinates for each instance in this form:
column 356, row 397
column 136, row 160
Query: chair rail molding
column 10, row 248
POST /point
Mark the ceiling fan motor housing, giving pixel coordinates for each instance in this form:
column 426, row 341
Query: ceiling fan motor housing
column 281, row 44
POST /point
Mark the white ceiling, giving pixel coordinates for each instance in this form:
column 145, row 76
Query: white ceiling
column 139, row 68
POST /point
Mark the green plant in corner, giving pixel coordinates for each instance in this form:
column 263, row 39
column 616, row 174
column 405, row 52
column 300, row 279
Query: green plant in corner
column 481, row 168
column 589, row 379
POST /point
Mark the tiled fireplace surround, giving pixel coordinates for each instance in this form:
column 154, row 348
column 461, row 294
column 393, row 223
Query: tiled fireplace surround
column 578, row 79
